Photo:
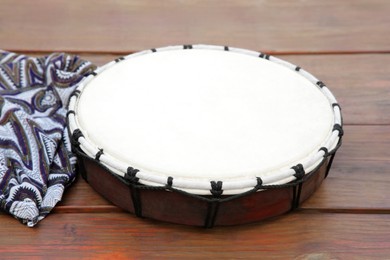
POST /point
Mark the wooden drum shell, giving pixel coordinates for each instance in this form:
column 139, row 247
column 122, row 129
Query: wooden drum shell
column 182, row 208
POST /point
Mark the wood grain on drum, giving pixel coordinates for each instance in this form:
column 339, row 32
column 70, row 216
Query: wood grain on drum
column 345, row 43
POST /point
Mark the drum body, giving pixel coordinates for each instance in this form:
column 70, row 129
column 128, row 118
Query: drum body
column 203, row 150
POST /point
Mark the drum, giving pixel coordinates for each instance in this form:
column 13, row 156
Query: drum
column 204, row 135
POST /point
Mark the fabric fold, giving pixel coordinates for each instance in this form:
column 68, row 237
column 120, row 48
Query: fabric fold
column 36, row 162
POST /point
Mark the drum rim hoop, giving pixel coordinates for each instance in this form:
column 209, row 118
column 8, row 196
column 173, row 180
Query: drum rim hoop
column 292, row 173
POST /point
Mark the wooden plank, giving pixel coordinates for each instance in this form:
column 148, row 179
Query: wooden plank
column 80, row 197
column 360, row 83
column 354, row 186
column 123, row 26
column 365, row 143
column 359, row 178
column 298, row 235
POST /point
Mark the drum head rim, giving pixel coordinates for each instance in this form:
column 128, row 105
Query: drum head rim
column 235, row 186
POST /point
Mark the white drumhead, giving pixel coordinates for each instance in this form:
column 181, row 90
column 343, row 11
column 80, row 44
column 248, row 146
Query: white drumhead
column 205, row 114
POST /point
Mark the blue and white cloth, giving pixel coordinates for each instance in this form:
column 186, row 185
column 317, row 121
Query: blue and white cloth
column 36, row 162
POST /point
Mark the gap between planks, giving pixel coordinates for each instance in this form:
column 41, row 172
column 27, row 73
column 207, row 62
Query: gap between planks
column 115, row 209
column 271, row 52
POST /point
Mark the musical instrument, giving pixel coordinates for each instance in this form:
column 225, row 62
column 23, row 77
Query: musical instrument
column 204, row 135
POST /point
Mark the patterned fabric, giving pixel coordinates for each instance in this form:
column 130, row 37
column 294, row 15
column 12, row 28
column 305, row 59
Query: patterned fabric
column 36, row 163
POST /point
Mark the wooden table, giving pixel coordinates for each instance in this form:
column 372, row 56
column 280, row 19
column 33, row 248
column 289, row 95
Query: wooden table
column 345, row 43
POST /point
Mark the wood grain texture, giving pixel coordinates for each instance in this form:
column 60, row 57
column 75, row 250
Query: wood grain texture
column 360, row 83
column 347, row 218
column 123, row 26
column 354, row 186
column 98, row 236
